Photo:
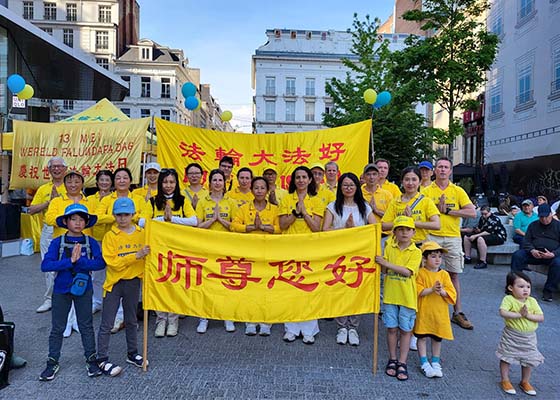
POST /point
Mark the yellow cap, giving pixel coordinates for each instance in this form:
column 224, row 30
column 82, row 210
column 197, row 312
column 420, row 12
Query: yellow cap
column 426, row 246
column 318, row 165
column 403, row 220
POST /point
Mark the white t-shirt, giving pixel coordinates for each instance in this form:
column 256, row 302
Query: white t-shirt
column 340, row 221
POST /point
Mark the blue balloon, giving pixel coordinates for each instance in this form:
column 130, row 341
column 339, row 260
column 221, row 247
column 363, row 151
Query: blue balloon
column 188, row 90
column 191, row 103
column 383, row 99
column 16, row 83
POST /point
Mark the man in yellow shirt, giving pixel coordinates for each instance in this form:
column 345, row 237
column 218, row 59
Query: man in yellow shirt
column 331, row 173
column 453, row 204
column 57, row 169
column 378, row 198
column 323, row 192
column 226, row 166
column 383, row 168
column 275, row 193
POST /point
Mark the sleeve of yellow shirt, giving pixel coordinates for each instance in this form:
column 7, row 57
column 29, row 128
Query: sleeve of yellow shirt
column 53, row 211
column 318, row 206
column 111, row 253
column 239, row 222
column 390, row 212
column 147, row 211
column 42, row 195
column 285, row 207
column 431, row 208
column 104, row 216
column 188, row 209
column 462, row 197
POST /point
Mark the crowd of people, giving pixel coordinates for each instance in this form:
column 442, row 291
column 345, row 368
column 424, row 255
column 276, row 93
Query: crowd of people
column 98, row 242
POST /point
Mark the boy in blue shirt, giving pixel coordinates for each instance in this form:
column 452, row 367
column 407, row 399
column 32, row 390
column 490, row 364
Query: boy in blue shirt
column 70, row 254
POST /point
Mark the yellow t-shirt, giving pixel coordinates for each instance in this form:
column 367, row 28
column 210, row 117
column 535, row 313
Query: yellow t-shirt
column 104, row 210
column 279, row 193
column 455, row 198
column 143, row 192
column 189, row 193
column 382, row 199
column 313, row 205
column 510, row 303
column 43, row 194
column 392, row 188
column 205, row 211
column 56, row 209
column 422, row 212
column 119, row 252
column 401, row 290
column 325, row 195
column 98, row 230
column 239, row 197
column 246, row 216
column 150, row 211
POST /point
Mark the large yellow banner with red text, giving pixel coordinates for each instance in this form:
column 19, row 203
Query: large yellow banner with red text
column 86, row 147
column 180, row 145
column 261, row 278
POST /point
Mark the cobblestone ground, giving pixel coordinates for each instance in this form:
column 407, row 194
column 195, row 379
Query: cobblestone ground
column 231, row 365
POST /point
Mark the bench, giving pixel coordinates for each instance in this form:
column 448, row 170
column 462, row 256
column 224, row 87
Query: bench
column 541, row 269
column 501, row 254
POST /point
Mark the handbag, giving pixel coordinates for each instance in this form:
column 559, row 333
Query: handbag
column 6, row 351
column 79, row 284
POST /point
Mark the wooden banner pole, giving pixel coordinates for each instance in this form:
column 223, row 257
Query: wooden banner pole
column 145, row 344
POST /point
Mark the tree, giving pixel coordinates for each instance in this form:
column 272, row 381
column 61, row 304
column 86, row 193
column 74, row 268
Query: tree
column 399, row 133
column 450, row 65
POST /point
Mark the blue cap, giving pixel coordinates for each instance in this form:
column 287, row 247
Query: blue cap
column 544, row 210
column 123, row 205
column 426, row 164
column 76, row 209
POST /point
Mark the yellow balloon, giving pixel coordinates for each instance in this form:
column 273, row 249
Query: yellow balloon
column 370, row 96
column 26, row 93
column 226, row 116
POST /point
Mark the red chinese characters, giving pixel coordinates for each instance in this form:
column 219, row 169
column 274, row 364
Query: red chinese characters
column 339, row 270
column 235, row 273
column 190, row 266
column 221, row 153
column 331, row 151
column 296, row 157
column 290, row 272
column 193, row 151
column 262, row 157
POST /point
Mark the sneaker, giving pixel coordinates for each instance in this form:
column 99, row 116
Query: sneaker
column 109, row 369
column 250, row 329
column 527, row 388
column 265, row 330
column 46, row 306
column 136, row 360
column 507, row 387
column 173, row 328
column 461, row 320
column 202, row 326
column 353, row 338
column 230, row 326
column 308, row 339
column 413, row 343
column 481, row 265
column 436, row 367
column 92, row 368
column 160, row 329
column 427, row 370
column 118, row 326
column 468, row 260
column 50, row 371
column 547, row 295
column 289, row 337
column 342, row 336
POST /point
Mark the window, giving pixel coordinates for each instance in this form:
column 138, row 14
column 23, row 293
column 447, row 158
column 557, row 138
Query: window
column 165, row 88
column 126, row 111
column 496, row 93
column 145, row 53
column 524, row 78
column 309, row 111
column 293, row 35
column 68, row 104
column 145, row 87
column 68, row 37
column 48, row 30
column 125, row 78
column 104, row 13
column 166, row 115
column 309, row 86
column 555, row 87
column 525, row 8
column 71, row 12
column 104, row 62
column 308, row 35
column 498, row 23
column 101, row 40
column 144, row 112
column 27, row 10
column 323, row 35
column 50, row 11
column 270, row 110
column 290, row 111
column 270, row 89
column 290, row 86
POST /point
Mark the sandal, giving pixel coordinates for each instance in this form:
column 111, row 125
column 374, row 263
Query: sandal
column 109, row 369
column 402, row 372
column 391, row 368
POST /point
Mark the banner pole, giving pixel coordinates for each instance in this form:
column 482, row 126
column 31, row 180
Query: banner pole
column 145, row 344
column 371, row 135
column 375, row 339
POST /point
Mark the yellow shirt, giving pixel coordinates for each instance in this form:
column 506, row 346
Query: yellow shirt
column 422, row 212
column 205, row 211
column 331, row 188
column 401, row 290
column 510, row 303
column 313, row 205
column 279, row 193
column 246, row 216
column 189, row 193
column 239, row 197
column 56, row 209
column 325, row 195
column 392, row 188
column 119, row 252
column 98, row 230
column 150, row 211
column 382, row 199
column 143, row 192
column 455, row 199
column 104, row 210
column 43, row 194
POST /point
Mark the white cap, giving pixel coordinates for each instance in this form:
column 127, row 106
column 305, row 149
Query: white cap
column 152, row 165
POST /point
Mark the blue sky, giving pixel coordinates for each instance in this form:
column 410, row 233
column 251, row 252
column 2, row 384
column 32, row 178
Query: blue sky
column 219, row 37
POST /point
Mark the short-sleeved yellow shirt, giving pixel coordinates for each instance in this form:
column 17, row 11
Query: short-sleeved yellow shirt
column 56, row 209
column 382, row 199
column 143, row 192
column 247, row 213
column 205, row 211
column 239, row 197
column 392, row 188
column 455, row 199
column 189, row 193
column 326, row 196
column 43, row 194
column 313, row 205
column 510, row 303
column 401, row 290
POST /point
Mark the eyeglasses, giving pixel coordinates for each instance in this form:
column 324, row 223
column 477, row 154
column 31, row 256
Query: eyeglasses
column 57, row 166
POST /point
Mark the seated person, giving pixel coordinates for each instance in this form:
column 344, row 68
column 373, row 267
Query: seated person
column 469, row 224
column 489, row 232
column 522, row 221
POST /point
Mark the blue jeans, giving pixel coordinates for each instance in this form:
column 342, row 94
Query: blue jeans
column 61, row 304
column 517, row 238
column 521, row 258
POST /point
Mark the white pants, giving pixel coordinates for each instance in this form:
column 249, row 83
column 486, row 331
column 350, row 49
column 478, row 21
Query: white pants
column 306, row 328
column 44, row 243
column 97, row 280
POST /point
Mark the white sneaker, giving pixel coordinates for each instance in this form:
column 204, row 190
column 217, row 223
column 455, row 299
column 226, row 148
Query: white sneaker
column 160, row 329
column 428, row 370
column 353, row 337
column 230, row 326
column 119, row 325
column 46, row 306
column 250, row 329
column 289, row 337
column 202, row 326
column 413, row 343
column 342, row 336
column 438, row 373
column 308, row 339
column 173, row 328
column 265, row 329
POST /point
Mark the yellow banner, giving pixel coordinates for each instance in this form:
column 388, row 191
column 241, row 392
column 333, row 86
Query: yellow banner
column 179, row 145
column 85, row 147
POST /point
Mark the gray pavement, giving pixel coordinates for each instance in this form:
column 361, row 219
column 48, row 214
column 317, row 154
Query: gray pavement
column 232, row 366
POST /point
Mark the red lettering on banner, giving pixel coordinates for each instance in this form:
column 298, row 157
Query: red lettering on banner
column 22, row 171
column 290, row 273
column 331, row 151
column 235, row 272
column 189, row 264
column 192, row 151
column 263, row 156
column 109, row 165
column 220, row 153
column 96, row 168
column 46, row 174
column 297, row 157
column 339, row 270
column 86, row 170
column 121, row 162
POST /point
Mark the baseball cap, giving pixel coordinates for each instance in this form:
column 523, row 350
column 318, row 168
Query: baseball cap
column 403, row 220
column 71, row 172
column 152, row 165
column 527, row 201
column 431, row 246
column 514, row 207
column 370, row 166
column 318, row 165
column 426, row 164
column 123, row 205
column 76, row 209
column 544, row 210
column 269, row 168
